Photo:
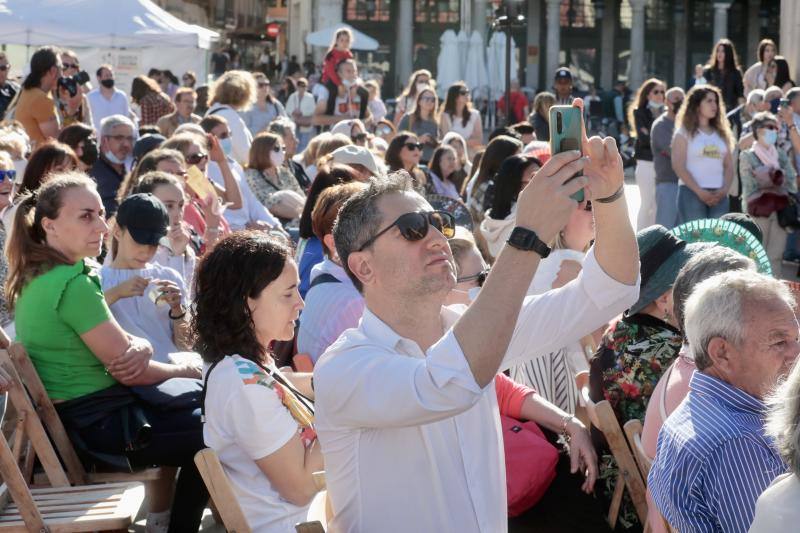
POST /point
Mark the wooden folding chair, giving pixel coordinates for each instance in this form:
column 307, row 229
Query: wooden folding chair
column 60, row 507
column 44, row 410
column 602, row 417
column 633, row 432
column 219, row 487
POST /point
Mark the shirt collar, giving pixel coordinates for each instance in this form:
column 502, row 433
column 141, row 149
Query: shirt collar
column 725, row 393
column 382, row 334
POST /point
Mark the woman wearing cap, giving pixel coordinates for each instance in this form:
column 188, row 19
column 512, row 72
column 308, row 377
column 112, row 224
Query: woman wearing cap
column 768, row 178
column 444, row 164
column 359, row 159
column 701, row 155
column 146, row 298
column 423, row 122
column 459, row 116
column 86, row 361
column 258, row 419
column 271, row 182
column 638, row 348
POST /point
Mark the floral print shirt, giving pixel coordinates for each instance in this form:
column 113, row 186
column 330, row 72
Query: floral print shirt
column 632, row 357
column 264, row 188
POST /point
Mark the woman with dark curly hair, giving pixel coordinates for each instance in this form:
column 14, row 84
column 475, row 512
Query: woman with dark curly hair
column 258, row 422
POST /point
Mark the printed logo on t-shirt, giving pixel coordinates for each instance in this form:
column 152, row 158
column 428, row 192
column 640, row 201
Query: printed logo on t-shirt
column 252, row 375
column 712, row 151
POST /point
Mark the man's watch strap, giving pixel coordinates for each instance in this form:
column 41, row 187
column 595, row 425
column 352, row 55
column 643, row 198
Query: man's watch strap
column 529, row 241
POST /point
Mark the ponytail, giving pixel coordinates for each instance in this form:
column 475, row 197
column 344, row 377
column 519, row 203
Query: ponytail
column 27, row 250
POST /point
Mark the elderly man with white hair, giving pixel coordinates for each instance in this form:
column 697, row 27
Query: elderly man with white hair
column 117, row 135
column 714, row 458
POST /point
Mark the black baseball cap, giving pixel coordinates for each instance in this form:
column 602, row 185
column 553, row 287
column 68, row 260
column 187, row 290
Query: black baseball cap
column 146, row 144
column 563, row 73
column 145, row 218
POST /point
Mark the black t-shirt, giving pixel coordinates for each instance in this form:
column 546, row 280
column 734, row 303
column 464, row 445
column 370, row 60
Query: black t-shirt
column 220, row 62
column 7, row 92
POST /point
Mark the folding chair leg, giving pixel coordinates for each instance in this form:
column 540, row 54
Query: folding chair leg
column 616, row 502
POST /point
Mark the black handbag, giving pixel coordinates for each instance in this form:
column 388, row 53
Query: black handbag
column 789, row 216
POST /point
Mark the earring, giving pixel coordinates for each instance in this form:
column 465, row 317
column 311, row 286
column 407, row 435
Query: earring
column 667, row 315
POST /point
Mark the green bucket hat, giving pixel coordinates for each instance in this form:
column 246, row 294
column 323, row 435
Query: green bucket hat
column 730, row 235
column 662, row 255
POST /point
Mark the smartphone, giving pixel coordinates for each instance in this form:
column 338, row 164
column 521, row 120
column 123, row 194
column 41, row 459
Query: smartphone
column 773, row 105
column 784, row 102
column 566, row 131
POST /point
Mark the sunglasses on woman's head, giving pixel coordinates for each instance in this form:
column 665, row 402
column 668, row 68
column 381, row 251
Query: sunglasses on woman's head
column 414, row 226
column 9, row 175
column 480, row 277
column 195, row 159
column 413, row 146
column 386, row 130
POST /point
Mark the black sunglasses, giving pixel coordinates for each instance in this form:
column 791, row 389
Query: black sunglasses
column 194, row 159
column 413, row 146
column 414, row 226
column 480, row 277
column 67, row 66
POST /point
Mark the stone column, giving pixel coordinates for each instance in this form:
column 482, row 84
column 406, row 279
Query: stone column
column 753, row 32
column 553, row 37
column 607, row 60
column 326, row 14
column 533, row 57
column 790, row 35
column 679, row 52
column 404, row 50
column 637, row 44
column 721, row 20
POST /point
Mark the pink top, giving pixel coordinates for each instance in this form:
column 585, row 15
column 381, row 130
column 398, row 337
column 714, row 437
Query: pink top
column 510, row 395
column 667, row 395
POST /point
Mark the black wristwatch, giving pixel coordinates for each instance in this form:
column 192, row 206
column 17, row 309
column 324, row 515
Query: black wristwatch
column 527, row 240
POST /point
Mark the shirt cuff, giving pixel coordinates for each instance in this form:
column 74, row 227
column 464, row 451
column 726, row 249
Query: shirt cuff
column 447, row 364
column 603, row 290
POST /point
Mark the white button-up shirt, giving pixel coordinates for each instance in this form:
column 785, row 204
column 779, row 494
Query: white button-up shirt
column 252, row 210
column 411, row 442
column 103, row 107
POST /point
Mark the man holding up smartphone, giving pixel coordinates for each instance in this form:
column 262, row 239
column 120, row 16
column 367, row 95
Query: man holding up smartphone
column 406, row 408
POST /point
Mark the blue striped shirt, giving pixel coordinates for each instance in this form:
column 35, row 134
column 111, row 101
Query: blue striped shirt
column 713, row 459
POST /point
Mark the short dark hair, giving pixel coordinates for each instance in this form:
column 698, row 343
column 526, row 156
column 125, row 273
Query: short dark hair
column 359, row 218
column 326, row 177
column 222, row 324
column 504, row 130
column 41, row 163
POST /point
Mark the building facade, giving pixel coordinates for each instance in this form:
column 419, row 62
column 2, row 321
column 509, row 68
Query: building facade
column 602, row 40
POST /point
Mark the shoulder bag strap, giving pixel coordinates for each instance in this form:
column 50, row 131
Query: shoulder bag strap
column 203, row 393
column 302, row 398
column 323, row 278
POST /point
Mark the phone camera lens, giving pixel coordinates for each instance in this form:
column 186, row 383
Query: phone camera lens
column 559, row 124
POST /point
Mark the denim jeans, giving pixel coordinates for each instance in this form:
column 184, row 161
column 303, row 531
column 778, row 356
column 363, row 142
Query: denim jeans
column 667, row 204
column 303, row 138
column 690, row 207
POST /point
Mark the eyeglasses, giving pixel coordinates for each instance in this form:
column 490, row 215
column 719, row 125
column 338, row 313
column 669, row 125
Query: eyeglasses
column 68, row 66
column 480, row 277
column 427, row 99
column 120, row 138
column 302, row 85
column 195, row 159
column 413, row 146
column 261, row 85
column 414, row 226
column 278, row 149
column 657, row 91
column 385, row 130
column 359, row 137
column 9, row 175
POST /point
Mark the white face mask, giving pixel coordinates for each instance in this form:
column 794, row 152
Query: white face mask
column 112, row 158
column 277, row 158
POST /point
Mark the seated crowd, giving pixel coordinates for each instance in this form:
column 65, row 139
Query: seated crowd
column 449, row 300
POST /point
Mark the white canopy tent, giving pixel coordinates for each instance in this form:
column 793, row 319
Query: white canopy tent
column 132, row 35
column 323, row 38
column 448, row 64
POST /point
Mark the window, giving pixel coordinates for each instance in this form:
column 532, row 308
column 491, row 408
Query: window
column 578, row 13
column 702, row 16
column 437, row 11
column 368, row 10
column 658, row 14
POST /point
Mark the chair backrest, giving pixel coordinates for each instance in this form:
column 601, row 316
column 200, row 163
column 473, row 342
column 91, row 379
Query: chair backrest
column 633, row 432
column 221, row 491
column 46, row 413
column 602, row 417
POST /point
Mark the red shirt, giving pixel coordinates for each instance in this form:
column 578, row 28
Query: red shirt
column 518, row 103
column 333, row 58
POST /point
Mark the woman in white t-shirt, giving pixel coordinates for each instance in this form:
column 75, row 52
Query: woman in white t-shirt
column 255, row 419
column 701, row 155
column 459, row 116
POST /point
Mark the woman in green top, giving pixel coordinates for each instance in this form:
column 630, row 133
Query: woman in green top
column 90, row 366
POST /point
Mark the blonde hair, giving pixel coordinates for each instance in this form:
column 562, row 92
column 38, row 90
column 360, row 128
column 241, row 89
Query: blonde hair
column 6, row 163
column 236, row 88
